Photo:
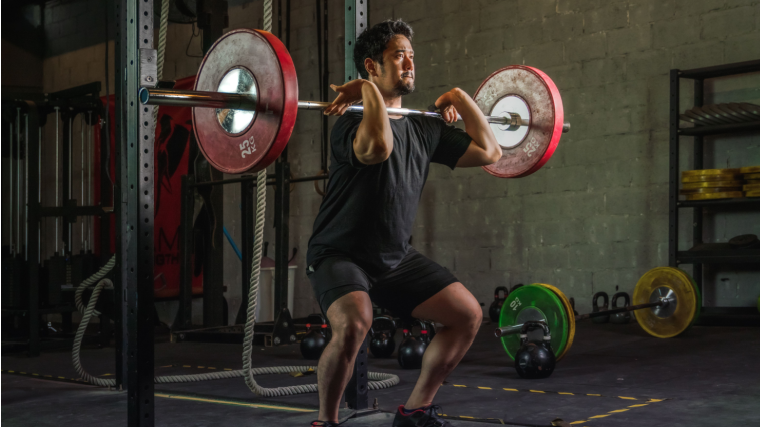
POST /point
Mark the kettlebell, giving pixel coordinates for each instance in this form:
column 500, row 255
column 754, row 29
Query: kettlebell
column 535, row 360
column 572, row 305
column 412, row 348
column 595, row 308
column 382, row 345
column 430, row 332
column 621, row 318
column 427, row 331
column 495, row 310
column 315, row 341
column 519, row 285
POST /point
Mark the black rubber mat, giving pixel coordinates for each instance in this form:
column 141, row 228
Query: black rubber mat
column 613, row 375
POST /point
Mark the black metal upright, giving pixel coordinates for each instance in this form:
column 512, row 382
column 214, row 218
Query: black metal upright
column 282, row 235
column 186, row 240
column 213, row 19
column 673, row 172
column 282, row 202
column 135, row 132
column 33, row 226
column 699, row 97
column 356, row 19
column 66, row 118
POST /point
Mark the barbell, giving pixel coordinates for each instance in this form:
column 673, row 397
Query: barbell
column 670, row 294
column 245, row 102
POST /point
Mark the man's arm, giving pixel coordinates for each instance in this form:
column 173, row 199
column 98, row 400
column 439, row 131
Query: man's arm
column 483, row 150
column 374, row 137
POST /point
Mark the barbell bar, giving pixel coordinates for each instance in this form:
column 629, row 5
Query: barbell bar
column 663, row 302
column 245, row 102
column 234, row 101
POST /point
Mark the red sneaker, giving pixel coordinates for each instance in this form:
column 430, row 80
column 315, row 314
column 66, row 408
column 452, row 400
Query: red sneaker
column 423, row 417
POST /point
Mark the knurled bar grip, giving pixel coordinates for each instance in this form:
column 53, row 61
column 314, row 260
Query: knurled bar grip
column 234, row 101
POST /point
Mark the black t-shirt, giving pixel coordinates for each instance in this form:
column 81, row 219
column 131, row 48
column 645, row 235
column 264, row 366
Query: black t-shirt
column 368, row 210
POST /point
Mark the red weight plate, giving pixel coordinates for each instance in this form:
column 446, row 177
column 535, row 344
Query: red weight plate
column 266, row 58
column 541, row 98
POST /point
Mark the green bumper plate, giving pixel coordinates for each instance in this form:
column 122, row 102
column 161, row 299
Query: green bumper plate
column 534, row 302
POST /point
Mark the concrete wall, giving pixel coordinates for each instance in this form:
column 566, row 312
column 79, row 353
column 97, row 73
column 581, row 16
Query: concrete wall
column 595, row 217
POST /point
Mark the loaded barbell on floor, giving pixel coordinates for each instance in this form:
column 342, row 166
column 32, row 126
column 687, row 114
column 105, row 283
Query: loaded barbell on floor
column 245, row 102
column 670, row 294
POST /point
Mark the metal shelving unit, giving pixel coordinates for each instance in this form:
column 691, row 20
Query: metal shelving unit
column 704, row 253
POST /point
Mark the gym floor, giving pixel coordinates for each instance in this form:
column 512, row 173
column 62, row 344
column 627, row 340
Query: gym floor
column 613, row 375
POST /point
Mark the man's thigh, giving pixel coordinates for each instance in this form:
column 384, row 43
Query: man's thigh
column 334, row 278
column 415, row 280
column 453, row 305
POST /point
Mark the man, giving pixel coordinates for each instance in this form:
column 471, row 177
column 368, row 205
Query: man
column 359, row 251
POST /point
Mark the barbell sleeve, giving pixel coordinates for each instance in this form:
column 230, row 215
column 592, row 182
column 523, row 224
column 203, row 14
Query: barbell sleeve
column 190, row 98
column 233, row 101
column 508, row 330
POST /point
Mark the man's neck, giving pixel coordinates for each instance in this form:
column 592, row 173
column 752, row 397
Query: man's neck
column 392, row 102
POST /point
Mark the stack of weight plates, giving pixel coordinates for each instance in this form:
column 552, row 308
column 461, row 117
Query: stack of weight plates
column 722, row 114
column 751, row 177
column 708, row 184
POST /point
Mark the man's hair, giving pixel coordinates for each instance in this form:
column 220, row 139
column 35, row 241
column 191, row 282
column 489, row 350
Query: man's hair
column 373, row 41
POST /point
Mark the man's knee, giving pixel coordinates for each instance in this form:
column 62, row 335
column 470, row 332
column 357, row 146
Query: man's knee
column 351, row 332
column 467, row 317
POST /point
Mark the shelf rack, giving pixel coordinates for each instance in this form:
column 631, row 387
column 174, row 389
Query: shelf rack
column 704, row 253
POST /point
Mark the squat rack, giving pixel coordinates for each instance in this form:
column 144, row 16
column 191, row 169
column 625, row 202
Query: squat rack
column 134, row 203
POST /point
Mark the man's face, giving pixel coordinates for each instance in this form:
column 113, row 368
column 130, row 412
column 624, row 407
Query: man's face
column 395, row 76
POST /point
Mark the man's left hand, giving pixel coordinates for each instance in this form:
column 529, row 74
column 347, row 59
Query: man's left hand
column 443, row 103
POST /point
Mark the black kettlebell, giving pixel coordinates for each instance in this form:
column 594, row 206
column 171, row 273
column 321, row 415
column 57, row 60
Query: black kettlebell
column 315, row 341
column 495, row 310
column 572, row 304
column 535, row 360
column 382, row 344
column 412, row 348
column 519, row 285
column 595, row 308
column 624, row 317
column 428, row 332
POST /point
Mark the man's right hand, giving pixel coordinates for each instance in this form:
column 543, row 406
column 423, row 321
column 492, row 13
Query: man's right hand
column 348, row 95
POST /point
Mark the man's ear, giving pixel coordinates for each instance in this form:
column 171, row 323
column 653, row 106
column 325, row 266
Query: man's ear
column 369, row 65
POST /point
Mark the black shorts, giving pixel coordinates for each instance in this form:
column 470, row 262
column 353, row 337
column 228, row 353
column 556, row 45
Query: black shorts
column 400, row 290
